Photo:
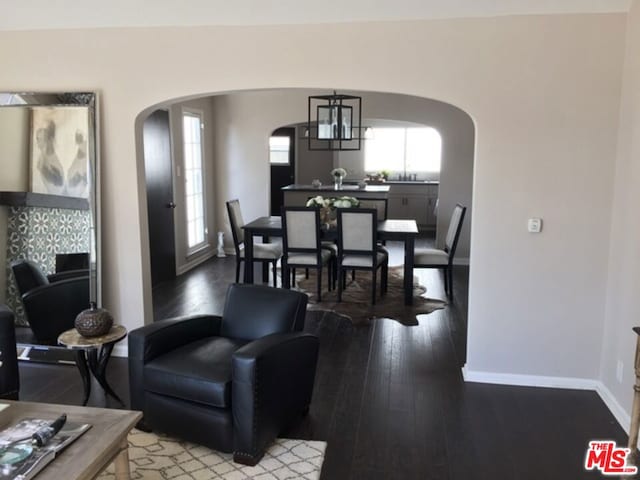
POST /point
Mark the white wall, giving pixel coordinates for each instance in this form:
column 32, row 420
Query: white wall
column 543, row 92
column 623, row 307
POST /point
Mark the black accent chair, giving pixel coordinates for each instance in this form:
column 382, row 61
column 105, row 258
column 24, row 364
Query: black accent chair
column 51, row 302
column 231, row 382
column 9, row 377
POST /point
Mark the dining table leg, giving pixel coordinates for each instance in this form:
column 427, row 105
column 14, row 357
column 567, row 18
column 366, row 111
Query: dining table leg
column 248, row 257
column 409, row 243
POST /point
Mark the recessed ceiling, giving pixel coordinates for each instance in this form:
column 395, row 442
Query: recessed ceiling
column 47, row 14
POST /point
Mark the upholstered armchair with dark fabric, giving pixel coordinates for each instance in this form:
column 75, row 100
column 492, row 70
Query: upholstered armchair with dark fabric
column 51, row 302
column 230, row 382
column 9, row 377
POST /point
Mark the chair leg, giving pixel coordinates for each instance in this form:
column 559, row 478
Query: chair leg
column 353, row 275
column 275, row 272
column 451, row 282
column 238, row 270
column 374, row 275
column 384, row 279
column 341, row 275
column 306, row 273
column 319, row 286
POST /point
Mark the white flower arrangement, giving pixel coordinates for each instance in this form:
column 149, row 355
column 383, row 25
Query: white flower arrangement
column 339, row 202
column 339, row 172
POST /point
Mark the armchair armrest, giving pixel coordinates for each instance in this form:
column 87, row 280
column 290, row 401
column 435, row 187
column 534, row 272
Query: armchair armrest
column 56, row 277
column 272, row 385
column 146, row 343
column 150, row 341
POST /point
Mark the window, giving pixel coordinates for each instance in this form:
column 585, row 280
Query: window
column 194, row 181
column 403, row 150
column 279, row 150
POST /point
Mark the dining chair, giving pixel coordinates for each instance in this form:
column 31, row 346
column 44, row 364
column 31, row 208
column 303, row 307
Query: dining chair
column 302, row 247
column 443, row 258
column 380, row 204
column 358, row 248
column 267, row 253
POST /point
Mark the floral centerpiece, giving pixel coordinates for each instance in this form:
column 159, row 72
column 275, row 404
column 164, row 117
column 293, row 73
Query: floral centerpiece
column 338, row 175
column 328, row 206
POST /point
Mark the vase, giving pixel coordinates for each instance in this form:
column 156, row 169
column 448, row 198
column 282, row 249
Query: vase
column 93, row 322
column 338, row 182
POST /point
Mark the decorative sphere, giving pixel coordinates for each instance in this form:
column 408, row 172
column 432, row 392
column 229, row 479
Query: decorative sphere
column 94, row 321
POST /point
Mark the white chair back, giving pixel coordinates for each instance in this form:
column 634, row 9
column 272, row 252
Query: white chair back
column 301, row 229
column 454, row 226
column 357, row 229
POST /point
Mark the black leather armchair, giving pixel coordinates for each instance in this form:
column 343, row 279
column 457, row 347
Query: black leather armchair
column 9, row 377
column 231, row 383
column 51, row 302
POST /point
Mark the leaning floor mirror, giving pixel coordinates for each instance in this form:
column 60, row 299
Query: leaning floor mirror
column 49, row 214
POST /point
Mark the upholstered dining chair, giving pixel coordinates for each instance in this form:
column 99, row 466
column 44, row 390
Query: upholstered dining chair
column 358, row 248
column 437, row 258
column 267, row 253
column 302, row 247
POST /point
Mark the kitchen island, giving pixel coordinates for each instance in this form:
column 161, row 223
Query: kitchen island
column 297, row 195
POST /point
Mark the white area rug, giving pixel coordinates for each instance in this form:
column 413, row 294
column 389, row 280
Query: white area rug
column 158, row 457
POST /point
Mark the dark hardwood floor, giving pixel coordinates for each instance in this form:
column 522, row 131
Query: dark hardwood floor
column 390, row 400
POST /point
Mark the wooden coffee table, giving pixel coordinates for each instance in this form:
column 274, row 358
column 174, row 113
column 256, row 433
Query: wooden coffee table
column 84, row 459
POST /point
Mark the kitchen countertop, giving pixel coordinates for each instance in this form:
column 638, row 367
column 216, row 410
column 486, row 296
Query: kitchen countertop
column 331, row 188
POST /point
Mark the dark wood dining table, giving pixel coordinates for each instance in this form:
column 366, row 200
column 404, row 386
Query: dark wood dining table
column 404, row 231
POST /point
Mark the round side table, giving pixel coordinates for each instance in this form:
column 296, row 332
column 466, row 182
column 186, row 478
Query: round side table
column 92, row 356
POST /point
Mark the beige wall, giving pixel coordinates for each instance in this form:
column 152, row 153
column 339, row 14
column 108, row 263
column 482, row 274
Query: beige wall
column 623, row 308
column 543, row 92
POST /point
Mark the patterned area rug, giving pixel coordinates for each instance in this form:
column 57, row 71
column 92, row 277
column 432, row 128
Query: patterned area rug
column 158, row 457
column 356, row 298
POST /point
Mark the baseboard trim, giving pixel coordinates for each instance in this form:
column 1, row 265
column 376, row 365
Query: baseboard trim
column 474, row 376
column 623, row 418
column 570, row 383
column 195, row 261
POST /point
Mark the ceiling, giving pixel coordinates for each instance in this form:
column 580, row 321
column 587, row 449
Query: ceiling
column 45, row 14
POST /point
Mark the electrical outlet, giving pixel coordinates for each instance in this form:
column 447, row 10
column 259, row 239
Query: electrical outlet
column 619, row 369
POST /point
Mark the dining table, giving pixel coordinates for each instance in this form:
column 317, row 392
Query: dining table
column 404, row 231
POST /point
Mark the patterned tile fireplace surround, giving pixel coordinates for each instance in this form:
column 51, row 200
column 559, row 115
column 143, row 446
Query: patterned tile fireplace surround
column 38, row 234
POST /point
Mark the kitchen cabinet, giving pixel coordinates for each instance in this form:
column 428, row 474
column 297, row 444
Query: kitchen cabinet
column 414, row 201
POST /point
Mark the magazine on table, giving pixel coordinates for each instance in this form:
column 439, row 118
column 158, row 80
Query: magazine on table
column 20, row 459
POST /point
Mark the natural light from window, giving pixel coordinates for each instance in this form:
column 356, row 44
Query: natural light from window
column 193, row 178
column 279, row 150
column 403, row 150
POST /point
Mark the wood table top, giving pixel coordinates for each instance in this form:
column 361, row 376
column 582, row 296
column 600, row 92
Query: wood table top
column 72, row 339
column 92, row 451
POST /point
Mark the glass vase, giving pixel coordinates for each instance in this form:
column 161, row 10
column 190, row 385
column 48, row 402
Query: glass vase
column 337, row 183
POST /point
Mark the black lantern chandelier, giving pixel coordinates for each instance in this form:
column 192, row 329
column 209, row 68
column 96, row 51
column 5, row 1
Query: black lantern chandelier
column 334, row 122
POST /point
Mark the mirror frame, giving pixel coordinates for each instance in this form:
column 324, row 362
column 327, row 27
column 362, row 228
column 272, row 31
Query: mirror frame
column 90, row 100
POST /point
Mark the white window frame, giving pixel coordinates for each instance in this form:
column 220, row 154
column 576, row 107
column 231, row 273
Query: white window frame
column 190, row 250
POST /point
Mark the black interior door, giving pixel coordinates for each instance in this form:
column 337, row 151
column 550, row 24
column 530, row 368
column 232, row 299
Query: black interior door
column 160, row 204
column 282, row 174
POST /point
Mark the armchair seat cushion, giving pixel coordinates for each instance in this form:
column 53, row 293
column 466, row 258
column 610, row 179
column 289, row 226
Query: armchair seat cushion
column 198, row 372
column 310, row 259
column 264, row 251
column 430, row 256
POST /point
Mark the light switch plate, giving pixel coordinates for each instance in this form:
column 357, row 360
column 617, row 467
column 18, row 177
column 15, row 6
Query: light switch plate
column 535, row 225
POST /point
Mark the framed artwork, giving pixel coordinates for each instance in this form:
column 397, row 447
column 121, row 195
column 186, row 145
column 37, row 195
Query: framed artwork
column 59, row 142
